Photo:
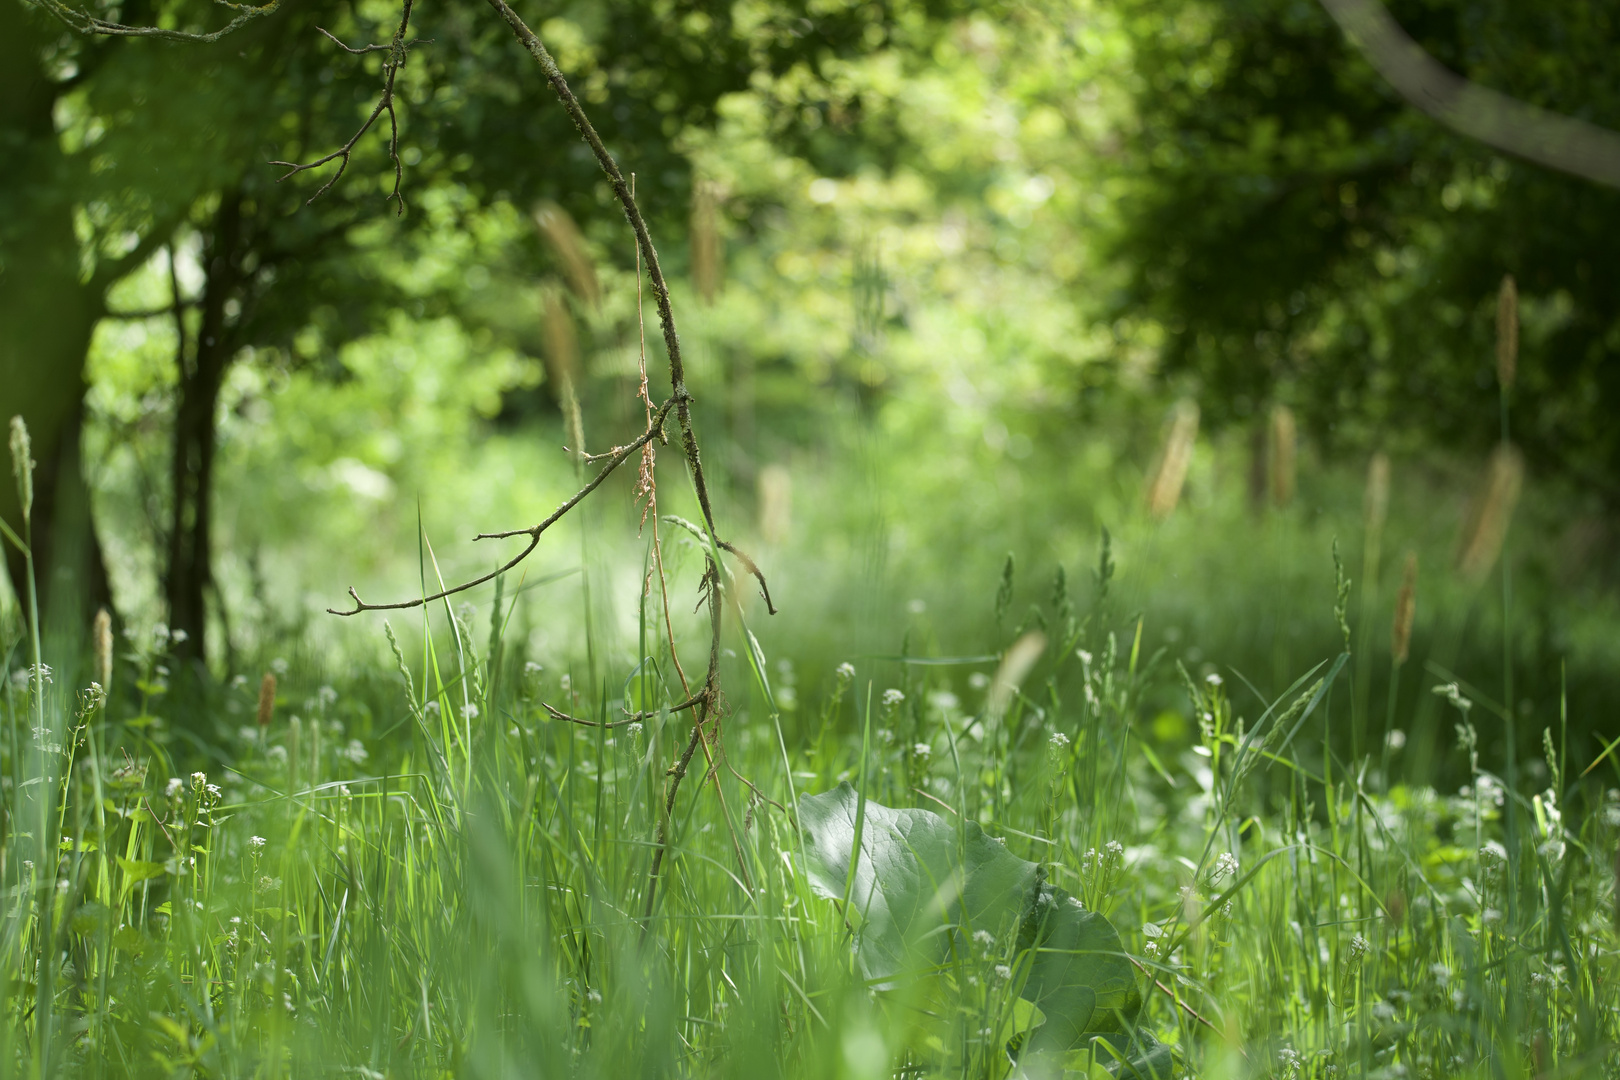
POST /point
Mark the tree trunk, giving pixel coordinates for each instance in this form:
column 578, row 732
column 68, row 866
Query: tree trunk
column 47, row 317
column 201, row 374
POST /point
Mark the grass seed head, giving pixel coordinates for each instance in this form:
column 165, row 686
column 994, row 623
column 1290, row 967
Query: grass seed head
column 1507, row 332
column 1014, row 668
column 22, row 465
column 708, row 257
column 1164, row 492
column 267, row 699
column 1284, row 455
column 1376, row 509
column 775, row 503
column 569, row 245
column 102, row 634
column 1400, row 637
column 1493, row 513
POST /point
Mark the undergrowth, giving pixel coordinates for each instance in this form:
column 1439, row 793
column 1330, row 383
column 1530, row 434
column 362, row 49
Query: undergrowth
column 446, row 878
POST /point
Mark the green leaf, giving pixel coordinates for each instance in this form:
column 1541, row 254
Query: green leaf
column 920, row 883
column 907, row 886
column 1078, row 973
column 136, row 870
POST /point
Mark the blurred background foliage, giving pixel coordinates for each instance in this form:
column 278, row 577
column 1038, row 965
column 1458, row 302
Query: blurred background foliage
column 944, row 271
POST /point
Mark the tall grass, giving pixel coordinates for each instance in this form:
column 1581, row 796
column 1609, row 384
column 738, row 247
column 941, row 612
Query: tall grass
column 437, row 878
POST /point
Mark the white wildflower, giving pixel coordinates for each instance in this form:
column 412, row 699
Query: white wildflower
column 845, row 671
column 176, row 785
column 256, row 842
column 892, row 697
column 469, row 711
column 921, row 750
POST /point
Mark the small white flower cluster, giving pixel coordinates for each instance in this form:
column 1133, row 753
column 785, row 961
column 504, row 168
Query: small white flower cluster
column 1226, row 865
column 845, row 672
column 892, row 697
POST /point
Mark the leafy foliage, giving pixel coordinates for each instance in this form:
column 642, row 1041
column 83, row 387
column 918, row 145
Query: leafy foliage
column 924, row 889
column 1298, row 234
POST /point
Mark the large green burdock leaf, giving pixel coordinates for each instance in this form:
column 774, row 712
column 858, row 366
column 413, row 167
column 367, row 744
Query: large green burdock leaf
column 920, row 884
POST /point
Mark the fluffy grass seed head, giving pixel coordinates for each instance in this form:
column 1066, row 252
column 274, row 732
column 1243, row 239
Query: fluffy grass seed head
column 775, row 503
column 22, row 465
column 568, row 244
column 1507, row 332
column 1493, row 513
column 562, row 356
column 1164, row 492
column 1400, row 635
column 267, row 699
column 1376, row 508
column 708, row 256
column 1014, row 668
column 1284, row 455
column 102, row 635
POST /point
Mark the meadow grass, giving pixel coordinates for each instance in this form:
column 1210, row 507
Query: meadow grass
column 423, row 872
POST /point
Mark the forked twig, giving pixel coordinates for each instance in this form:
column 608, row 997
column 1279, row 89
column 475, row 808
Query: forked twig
column 86, row 23
column 398, row 51
column 654, row 430
column 707, row 698
column 632, row 718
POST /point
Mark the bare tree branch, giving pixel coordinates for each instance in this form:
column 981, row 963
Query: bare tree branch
column 398, row 51
column 1547, row 138
column 632, row 718
column 85, row 23
column 654, row 430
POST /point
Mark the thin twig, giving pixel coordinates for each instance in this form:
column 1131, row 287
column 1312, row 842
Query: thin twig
column 533, row 532
column 748, row 564
column 632, row 718
column 88, row 24
column 398, row 51
column 632, row 212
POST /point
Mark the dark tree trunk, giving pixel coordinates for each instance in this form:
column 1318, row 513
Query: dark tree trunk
column 47, row 316
column 202, row 372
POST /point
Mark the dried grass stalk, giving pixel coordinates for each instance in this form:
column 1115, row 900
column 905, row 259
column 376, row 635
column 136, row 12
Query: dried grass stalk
column 1164, row 492
column 569, row 245
column 708, row 255
column 1492, row 514
column 1284, row 454
column 1400, row 635
column 1507, row 332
